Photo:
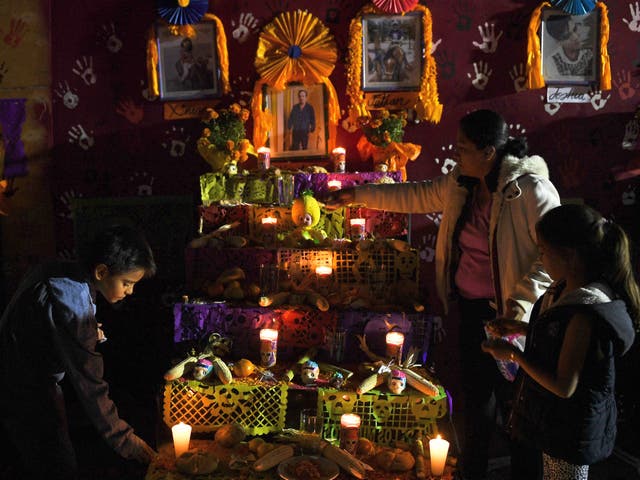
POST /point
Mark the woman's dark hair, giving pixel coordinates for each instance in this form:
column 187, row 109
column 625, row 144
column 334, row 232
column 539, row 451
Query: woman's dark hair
column 603, row 247
column 558, row 27
column 122, row 249
column 486, row 128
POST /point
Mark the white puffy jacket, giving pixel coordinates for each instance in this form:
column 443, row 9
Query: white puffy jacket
column 524, row 193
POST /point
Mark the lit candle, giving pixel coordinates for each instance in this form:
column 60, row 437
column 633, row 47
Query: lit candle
column 269, row 221
column 264, row 158
column 334, row 185
column 338, row 155
column 395, row 340
column 349, row 431
column 438, row 449
column 181, row 435
column 268, row 347
column 323, row 271
column 357, row 228
column 269, row 225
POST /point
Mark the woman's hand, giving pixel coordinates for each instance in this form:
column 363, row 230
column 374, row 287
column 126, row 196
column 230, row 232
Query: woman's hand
column 499, row 349
column 504, row 327
column 339, row 198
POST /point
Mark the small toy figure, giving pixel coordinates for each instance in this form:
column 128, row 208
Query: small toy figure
column 336, row 380
column 305, row 213
column 397, row 381
column 202, row 369
column 309, row 372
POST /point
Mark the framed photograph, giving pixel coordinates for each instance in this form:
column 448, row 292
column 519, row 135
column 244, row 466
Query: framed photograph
column 392, row 51
column 299, row 125
column 188, row 66
column 570, row 47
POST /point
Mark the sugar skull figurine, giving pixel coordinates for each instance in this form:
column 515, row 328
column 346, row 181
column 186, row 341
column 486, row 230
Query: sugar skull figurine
column 310, row 372
column 336, row 380
column 202, row 369
column 397, row 381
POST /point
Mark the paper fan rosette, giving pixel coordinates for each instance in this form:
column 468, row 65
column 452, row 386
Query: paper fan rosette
column 395, row 6
column 535, row 79
column 182, row 12
column 295, row 47
column 575, row 7
column 187, row 30
column 428, row 106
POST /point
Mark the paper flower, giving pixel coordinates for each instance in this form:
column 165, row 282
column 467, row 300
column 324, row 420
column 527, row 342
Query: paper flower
column 395, row 6
column 182, row 12
column 575, row 7
column 295, row 47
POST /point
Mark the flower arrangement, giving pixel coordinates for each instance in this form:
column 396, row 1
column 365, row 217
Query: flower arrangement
column 384, row 128
column 223, row 138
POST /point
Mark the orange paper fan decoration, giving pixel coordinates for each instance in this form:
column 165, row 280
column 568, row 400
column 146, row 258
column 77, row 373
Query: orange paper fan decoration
column 395, row 6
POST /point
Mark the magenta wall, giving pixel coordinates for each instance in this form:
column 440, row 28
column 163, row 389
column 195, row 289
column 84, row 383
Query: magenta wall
column 137, row 152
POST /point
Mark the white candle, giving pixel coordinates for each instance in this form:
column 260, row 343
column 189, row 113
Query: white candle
column 438, row 449
column 357, row 228
column 334, row 185
column 394, row 341
column 323, row 271
column 269, row 221
column 264, row 158
column 181, row 436
column 338, row 156
column 268, row 347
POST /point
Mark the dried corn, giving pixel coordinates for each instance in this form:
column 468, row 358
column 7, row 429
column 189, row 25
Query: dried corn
column 273, row 458
column 420, row 383
column 347, row 462
column 369, row 383
column 222, row 370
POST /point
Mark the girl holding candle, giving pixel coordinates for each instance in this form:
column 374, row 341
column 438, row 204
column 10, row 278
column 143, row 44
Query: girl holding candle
column 486, row 259
column 48, row 333
column 565, row 401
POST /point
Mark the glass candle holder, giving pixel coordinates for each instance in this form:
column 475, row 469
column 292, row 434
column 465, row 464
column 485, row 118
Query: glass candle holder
column 269, row 227
column 394, row 341
column 357, row 228
column 349, row 432
column 338, row 157
column 438, row 449
column 181, row 436
column 264, row 158
column 323, row 278
column 268, row 347
column 333, row 185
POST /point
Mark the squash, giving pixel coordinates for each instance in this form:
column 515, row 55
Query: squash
column 230, row 435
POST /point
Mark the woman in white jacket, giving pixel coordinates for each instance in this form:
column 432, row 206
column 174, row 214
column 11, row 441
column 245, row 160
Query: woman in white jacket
column 486, row 257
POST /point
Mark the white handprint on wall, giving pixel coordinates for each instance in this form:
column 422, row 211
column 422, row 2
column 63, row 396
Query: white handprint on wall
column 550, row 107
column 110, row 39
column 448, row 162
column 631, row 132
column 598, row 101
column 69, row 99
column 517, row 74
column 634, row 23
column 247, row 25
column 78, row 136
column 66, row 200
column 489, row 40
column 85, row 70
column 178, row 143
column 482, row 74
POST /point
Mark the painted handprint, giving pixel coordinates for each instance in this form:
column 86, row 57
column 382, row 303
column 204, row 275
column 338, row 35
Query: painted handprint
column 69, row 98
column 448, row 162
column 142, row 183
column 489, row 40
column 550, row 107
column 446, row 64
column 66, row 200
column 3, row 71
column 17, row 29
column 426, row 248
column 109, row 38
column 434, row 218
column 482, row 74
column 598, row 101
column 434, row 46
column 517, row 75
column 631, row 132
column 463, row 9
column 247, row 25
column 570, row 169
column 129, row 110
column 85, row 70
column 516, row 129
column 623, row 83
column 178, row 143
column 634, row 23
column 78, row 136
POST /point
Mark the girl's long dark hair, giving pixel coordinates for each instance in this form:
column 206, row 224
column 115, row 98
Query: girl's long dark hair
column 603, row 247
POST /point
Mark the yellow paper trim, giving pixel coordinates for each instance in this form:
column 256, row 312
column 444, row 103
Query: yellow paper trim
column 187, row 31
column 428, row 106
column 535, row 78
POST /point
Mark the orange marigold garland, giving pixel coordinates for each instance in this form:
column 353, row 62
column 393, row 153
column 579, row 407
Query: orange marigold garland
column 428, row 106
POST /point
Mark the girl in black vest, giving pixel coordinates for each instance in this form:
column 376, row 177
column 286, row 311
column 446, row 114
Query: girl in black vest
column 564, row 400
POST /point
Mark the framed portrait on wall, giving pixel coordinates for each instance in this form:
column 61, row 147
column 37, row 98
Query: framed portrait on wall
column 188, row 66
column 392, row 52
column 299, row 121
column 570, row 47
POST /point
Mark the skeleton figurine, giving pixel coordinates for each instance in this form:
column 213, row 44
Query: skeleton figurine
column 309, row 372
column 202, row 369
column 397, row 381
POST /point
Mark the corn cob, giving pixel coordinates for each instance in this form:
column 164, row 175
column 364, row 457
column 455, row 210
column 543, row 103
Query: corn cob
column 347, row 462
column 372, row 381
column 222, row 370
column 274, row 300
column 421, row 468
column 420, row 383
column 273, row 458
column 327, row 367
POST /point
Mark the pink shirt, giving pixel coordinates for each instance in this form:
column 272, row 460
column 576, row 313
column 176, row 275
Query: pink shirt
column 473, row 276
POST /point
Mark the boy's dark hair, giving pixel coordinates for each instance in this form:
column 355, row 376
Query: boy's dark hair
column 558, row 27
column 122, row 249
